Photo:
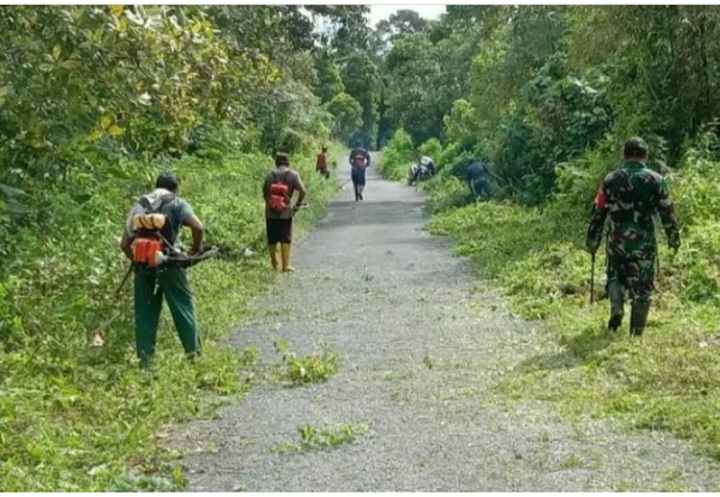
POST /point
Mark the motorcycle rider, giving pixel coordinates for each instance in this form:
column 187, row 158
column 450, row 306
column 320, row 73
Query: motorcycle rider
column 423, row 162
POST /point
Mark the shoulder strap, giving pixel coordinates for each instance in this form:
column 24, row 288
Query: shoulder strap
column 277, row 178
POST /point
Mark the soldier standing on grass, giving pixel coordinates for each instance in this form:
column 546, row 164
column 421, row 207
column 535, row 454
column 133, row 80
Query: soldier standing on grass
column 631, row 195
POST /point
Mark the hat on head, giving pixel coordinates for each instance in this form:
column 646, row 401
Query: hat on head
column 635, row 146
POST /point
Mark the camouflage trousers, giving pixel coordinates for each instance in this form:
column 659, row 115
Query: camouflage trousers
column 637, row 276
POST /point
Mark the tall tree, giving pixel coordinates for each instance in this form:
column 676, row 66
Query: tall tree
column 362, row 81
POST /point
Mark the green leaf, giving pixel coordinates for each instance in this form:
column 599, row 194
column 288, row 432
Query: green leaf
column 115, row 130
column 70, row 64
column 11, row 192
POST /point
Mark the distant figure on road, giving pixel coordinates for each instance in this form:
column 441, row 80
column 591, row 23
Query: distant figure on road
column 478, row 178
column 359, row 161
column 321, row 165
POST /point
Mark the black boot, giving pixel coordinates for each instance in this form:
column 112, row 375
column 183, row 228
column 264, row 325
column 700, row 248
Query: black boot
column 638, row 318
column 616, row 294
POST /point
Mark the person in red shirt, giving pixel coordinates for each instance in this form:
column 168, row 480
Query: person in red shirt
column 322, row 163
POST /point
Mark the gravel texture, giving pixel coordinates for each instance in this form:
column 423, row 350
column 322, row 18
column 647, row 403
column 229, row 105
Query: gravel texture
column 421, row 348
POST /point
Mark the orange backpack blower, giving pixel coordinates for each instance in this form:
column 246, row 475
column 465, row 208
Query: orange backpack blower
column 278, row 199
column 153, row 235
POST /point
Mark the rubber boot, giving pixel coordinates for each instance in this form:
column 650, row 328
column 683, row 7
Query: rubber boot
column 616, row 294
column 285, row 252
column 638, row 317
column 272, row 250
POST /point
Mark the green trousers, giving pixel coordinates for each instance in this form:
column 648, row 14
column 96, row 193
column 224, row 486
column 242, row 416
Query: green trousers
column 150, row 286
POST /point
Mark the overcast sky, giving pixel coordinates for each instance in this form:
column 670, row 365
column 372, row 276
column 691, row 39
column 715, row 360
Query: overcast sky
column 380, row 12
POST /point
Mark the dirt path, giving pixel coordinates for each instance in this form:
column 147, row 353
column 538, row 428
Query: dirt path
column 421, row 350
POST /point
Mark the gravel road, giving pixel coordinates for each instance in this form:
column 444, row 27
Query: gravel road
column 421, row 348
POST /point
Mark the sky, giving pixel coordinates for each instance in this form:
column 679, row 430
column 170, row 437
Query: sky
column 380, row 12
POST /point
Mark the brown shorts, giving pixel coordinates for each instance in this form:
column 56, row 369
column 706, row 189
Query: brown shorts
column 279, row 230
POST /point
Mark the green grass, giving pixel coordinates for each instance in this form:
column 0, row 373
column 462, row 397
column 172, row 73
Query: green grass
column 303, row 370
column 78, row 418
column 669, row 379
column 326, row 437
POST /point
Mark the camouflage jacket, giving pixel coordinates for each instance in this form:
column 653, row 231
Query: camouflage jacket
column 631, row 195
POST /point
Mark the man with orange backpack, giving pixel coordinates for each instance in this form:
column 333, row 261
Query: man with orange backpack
column 359, row 162
column 278, row 189
column 149, row 242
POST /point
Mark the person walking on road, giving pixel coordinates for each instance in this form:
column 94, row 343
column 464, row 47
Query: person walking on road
column 631, row 195
column 359, row 162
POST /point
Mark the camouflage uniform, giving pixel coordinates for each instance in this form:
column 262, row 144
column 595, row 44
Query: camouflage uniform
column 631, row 195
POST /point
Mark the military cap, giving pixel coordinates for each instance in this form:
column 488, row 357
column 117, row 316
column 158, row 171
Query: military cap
column 635, row 145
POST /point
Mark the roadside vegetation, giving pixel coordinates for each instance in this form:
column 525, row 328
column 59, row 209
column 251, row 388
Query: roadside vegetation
column 551, row 95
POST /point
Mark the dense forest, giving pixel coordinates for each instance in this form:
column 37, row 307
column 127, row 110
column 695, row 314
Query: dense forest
column 95, row 101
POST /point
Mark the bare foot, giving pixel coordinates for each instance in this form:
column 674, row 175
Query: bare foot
column 288, row 270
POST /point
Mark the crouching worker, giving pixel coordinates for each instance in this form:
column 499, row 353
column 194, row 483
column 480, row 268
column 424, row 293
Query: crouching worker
column 278, row 189
column 149, row 241
column 478, row 178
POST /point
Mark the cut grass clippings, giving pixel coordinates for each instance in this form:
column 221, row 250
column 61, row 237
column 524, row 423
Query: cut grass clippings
column 326, row 437
column 78, row 418
column 669, row 379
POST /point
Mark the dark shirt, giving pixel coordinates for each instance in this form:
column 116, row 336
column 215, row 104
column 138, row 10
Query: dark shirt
column 477, row 171
column 359, row 157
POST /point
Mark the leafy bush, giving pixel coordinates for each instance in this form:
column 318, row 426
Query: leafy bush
column 397, row 156
column 432, row 148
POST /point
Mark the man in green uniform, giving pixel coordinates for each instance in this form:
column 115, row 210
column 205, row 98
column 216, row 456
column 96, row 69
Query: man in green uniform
column 152, row 283
column 631, row 195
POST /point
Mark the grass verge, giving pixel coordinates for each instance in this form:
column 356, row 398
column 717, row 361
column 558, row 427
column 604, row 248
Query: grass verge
column 667, row 380
column 77, row 418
